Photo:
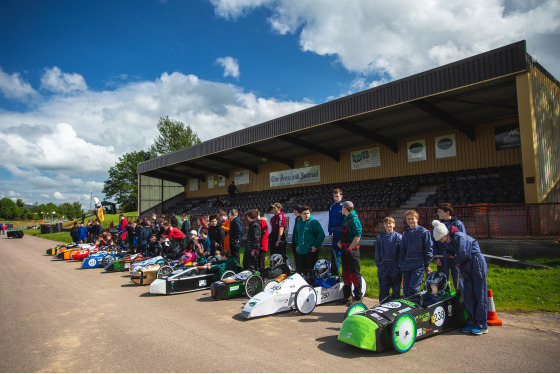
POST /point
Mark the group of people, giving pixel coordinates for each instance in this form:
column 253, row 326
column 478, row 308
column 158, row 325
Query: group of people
column 404, row 259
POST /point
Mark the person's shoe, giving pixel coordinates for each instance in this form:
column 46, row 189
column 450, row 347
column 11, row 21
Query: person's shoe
column 476, row 331
column 344, row 300
column 468, row 328
column 485, row 331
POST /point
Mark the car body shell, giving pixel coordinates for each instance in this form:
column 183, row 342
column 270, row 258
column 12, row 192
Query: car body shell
column 282, row 296
column 377, row 329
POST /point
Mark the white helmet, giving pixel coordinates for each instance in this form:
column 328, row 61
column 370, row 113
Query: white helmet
column 276, row 260
column 322, row 269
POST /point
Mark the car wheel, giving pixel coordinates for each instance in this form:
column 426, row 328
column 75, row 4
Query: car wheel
column 403, row 333
column 269, row 284
column 306, row 299
column 108, row 259
column 164, row 271
column 253, row 285
column 356, row 308
column 227, row 274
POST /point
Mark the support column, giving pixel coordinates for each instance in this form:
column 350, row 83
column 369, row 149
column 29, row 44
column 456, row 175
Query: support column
column 527, row 125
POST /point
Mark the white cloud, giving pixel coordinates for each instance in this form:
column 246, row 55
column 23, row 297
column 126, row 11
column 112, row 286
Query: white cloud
column 13, row 86
column 64, row 146
column 401, row 37
column 232, row 9
column 230, row 65
column 56, row 81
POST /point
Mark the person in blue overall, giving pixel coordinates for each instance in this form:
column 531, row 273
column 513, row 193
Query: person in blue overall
column 441, row 250
column 335, row 220
column 350, row 235
column 415, row 254
column 472, row 266
column 387, row 250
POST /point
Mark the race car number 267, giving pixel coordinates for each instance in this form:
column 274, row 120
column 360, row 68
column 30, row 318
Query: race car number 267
column 439, row 316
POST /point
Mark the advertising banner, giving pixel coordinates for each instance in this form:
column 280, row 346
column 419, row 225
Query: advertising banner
column 446, row 146
column 194, row 185
column 367, row 158
column 242, row 177
column 416, row 150
column 507, row 137
column 292, row 177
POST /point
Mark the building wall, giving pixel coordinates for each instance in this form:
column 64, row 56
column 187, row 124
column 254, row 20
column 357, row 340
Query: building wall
column 546, row 104
column 480, row 153
column 150, row 192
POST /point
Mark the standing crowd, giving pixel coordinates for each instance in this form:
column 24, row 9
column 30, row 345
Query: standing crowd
column 402, row 260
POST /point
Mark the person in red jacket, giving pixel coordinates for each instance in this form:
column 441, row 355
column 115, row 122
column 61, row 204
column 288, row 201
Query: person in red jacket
column 264, row 240
column 121, row 230
column 175, row 236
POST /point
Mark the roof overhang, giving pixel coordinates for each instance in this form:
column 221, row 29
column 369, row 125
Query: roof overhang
column 455, row 96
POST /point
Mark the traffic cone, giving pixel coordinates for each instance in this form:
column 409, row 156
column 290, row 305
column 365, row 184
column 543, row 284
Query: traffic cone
column 492, row 317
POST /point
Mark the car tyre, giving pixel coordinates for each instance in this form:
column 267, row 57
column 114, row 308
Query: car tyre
column 253, row 285
column 403, row 333
column 306, row 299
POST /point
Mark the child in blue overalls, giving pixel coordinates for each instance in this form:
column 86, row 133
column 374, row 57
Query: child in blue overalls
column 472, row 265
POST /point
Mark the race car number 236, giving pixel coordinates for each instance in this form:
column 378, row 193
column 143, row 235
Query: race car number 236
column 439, row 316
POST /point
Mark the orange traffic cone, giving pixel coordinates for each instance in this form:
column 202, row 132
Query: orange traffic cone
column 492, row 317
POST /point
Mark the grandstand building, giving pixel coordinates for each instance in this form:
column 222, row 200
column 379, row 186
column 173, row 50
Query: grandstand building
column 483, row 130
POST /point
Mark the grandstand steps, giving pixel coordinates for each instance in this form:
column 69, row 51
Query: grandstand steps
column 419, row 197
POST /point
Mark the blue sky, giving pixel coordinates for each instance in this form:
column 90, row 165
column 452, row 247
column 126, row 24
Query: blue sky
column 83, row 82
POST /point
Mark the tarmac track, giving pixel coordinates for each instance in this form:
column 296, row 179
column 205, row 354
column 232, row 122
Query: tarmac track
column 56, row 317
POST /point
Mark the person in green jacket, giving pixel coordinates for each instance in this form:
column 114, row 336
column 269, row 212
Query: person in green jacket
column 220, row 267
column 309, row 236
column 350, row 234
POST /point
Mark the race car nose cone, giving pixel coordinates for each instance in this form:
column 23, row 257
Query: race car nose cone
column 158, row 286
column 359, row 331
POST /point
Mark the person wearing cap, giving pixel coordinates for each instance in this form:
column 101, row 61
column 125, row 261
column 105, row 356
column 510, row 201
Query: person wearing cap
column 415, row 254
column 335, row 221
column 143, row 236
column 74, row 232
column 276, row 238
column 350, row 235
column 441, row 250
column 472, row 265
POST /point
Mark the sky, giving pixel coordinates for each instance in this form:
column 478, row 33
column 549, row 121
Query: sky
column 84, row 82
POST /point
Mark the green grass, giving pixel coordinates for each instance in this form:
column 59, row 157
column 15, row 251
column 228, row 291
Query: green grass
column 59, row 237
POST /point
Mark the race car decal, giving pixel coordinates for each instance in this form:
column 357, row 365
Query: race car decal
column 422, row 317
column 202, row 283
column 234, row 288
column 92, row 262
column 404, row 310
column 419, row 332
column 439, row 316
column 392, row 305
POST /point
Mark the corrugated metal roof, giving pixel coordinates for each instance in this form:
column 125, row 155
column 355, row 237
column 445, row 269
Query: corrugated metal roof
column 461, row 88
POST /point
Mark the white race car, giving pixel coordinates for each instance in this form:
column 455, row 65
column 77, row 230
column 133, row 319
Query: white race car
column 293, row 293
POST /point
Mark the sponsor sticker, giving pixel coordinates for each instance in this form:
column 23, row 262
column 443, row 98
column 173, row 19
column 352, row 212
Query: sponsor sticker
column 392, row 305
column 418, row 332
column 234, row 288
column 202, row 283
column 92, row 262
column 380, row 309
column 449, row 310
column 422, row 317
column 404, row 310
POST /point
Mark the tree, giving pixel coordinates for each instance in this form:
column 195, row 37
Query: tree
column 9, row 209
column 173, row 136
column 123, row 180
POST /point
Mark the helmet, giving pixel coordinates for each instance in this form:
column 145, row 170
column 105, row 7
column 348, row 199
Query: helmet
column 276, row 260
column 437, row 278
column 322, row 269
